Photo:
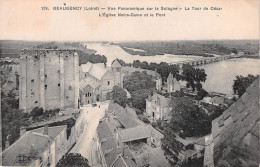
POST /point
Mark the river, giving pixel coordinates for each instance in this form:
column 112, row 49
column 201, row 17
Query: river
column 220, row 75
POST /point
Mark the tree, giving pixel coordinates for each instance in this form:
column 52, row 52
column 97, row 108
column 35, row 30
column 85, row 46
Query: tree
column 193, row 76
column 73, row 159
column 242, row 83
column 188, row 117
column 119, row 96
column 36, row 112
column 136, row 63
column 137, row 81
column 201, row 94
column 139, row 97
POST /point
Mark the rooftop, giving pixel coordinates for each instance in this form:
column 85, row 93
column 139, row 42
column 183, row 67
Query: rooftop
column 116, row 64
column 237, row 129
column 23, row 146
column 122, row 116
column 94, row 69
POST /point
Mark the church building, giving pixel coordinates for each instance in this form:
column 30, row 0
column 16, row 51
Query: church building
column 97, row 81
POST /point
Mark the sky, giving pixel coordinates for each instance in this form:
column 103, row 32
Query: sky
column 24, row 20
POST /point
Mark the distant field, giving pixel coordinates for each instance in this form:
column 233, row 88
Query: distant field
column 10, row 48
column 198, row 48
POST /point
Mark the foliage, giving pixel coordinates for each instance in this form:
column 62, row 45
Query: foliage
column 201, row 94
column 92, row 58
column 242, row 83
column 193, row 76
column 137, row 81
column 36, row 112
column 119, row 96
column 188, row 117
column 154, row 124
column 12, row 119
column 73, row 159
column 144, row 119
column 139, row 97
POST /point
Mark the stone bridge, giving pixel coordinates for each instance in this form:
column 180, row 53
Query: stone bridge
column 203, row 61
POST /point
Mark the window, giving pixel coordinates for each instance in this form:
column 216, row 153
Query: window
column 32, row 80
column 32, row 93
column 45, row 86
column 58, row 84
column 108, row 82
column 58, row 71
column 85, row 75
column 36, row 102
column 46, row 75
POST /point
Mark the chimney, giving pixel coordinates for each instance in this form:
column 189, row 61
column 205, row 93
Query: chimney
column 22, row 131
column 45, row 130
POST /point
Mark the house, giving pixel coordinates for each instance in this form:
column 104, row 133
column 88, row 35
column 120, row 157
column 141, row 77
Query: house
column 157, row 107
column 39, row 147
column 97, row 82
column 172, row 84
column 118, row 132
column 235, row 133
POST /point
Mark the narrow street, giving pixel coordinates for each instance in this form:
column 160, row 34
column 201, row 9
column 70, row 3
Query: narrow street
column 86, row 144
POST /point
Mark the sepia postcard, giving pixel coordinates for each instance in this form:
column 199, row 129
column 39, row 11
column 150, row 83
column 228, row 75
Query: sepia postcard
column 129, row 83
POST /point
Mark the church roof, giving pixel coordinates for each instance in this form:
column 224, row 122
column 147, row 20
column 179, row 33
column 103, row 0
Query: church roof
column 96, row 70
column 88, row 81
column 86, row 67
column 116, row 64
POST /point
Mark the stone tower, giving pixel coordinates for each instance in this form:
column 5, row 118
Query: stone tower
column 117, row 71
column 170, row 84
column 49, row 79
column 158, row 82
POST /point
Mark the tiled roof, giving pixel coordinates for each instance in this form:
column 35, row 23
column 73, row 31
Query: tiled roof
column 97, row 71
column 123, row 162
column 135, row 133
column 238, row 127
column 23, row 146
column 125, row 119
column 86, row 67
column 88, row 81
column 52, row 131
column 108, row 142
column 93, row 69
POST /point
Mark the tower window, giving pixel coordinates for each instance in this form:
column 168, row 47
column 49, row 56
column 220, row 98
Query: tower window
column 46, row 75
column 108, row 82
column 58, row 84
column 45, row 86
column 36, row 102
column 32, row 80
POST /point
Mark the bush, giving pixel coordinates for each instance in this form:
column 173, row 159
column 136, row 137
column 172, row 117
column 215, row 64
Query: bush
column 138, row 111
column 36, row 112
column 154, row 124
column 144, row 119
column 189, row 147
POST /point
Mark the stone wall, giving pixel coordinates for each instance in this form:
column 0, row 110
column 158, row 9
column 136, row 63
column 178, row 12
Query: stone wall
column 49, row 79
